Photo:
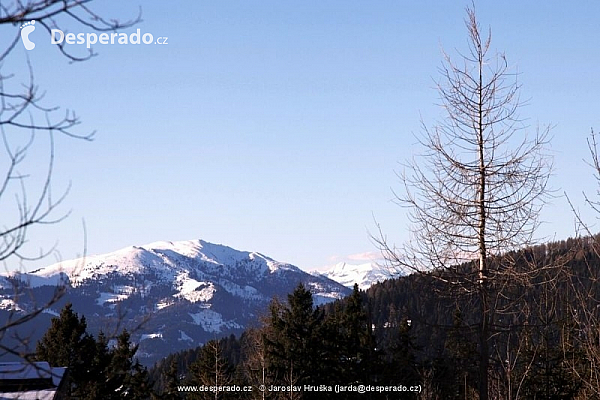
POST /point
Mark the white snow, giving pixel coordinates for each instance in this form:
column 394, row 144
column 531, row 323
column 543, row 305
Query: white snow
column 188, row 288
column 212, row 321
column 119, row 293
column 164, row 304
column 51, row 312
column 365, row 275
column 216, row 254
column 110, row 298
column 166, row 259
column 247, row 292
column 9, row 304
column 193, row 269
column 130, row 260
column 33, row 280
column 184, row 336
column 151, row 336
column 123, row 289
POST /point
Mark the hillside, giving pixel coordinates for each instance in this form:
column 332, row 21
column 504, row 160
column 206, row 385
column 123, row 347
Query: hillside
column 172, row 295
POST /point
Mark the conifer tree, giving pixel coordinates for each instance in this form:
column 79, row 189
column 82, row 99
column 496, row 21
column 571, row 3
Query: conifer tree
column 295, row 345
column 63, row 342
column 95, row 387
column 126, row 376
column 171, row 391
column 404, row 361
column 211, row 369
column 359, row 357
column 461, row 358
column 67, row 344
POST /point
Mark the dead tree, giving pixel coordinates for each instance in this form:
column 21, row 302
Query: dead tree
column 211, row 369
column 585, row 309
column 477, row 189
column 255, row 364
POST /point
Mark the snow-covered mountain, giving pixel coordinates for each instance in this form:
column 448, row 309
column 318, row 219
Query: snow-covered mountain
column 365, row 275
column 182, row 293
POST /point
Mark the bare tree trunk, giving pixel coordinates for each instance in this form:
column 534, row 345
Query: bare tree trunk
column 476, row 190
column 485, row 308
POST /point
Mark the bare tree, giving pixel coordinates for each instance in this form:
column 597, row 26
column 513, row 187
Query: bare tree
column 477, row 189
column 585, row 309
column 255, row 365
column 211, row 369
column 25, row 119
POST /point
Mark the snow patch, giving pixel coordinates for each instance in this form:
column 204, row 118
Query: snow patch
column 183, row 336
column 151, row 336
column 34, row 281
column 246, row 292
column 365, row 275
column 212, row 321
column 164, row 304
column 51, row 312
column 130, row 260
column 193, row 290
column 9, row 304
column 110, row 298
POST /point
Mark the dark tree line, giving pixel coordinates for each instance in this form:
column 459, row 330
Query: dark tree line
column 95, row 369
column 404, row 331
column 401, row 331
column 297, row 345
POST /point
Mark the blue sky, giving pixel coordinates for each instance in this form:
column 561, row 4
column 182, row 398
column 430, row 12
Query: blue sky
column 278, row 126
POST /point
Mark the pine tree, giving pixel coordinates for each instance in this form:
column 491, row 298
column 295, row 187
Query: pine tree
column 96, row 385
column 461, row 360
column 296, row 351
column 359, row 358
column 171, row 391
column 67, row 344
column 404, row 360
column 127, row 379
column 211, row 369
column 96, row 372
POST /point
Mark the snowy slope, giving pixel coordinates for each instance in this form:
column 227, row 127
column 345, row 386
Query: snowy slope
column 185, row 292
column 365, row 275
column 167, row 259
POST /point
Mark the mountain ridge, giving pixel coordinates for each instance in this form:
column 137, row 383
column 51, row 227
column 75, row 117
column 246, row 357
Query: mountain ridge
column 183, row 293
column 363, row 274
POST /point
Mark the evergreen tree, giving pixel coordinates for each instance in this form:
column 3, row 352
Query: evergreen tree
column 405, row 368
column 67, row 344
column 461, row 361
column 171, row 391
column 296, row 350
column 126, row 377
column 95, row 387
column 359, row 358
column 211, row 369
column 96, row 372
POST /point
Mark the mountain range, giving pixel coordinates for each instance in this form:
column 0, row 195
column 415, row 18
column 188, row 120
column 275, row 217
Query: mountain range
column 365, row 274
column 170, row 295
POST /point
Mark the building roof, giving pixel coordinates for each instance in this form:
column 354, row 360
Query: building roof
column 28, row 381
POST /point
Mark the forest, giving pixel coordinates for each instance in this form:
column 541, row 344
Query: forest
column 406, row 331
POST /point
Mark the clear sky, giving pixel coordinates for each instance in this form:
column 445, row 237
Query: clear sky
column 277, row 127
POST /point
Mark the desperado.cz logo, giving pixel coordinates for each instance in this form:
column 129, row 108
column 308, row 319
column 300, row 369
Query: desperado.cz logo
column 57, row 36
